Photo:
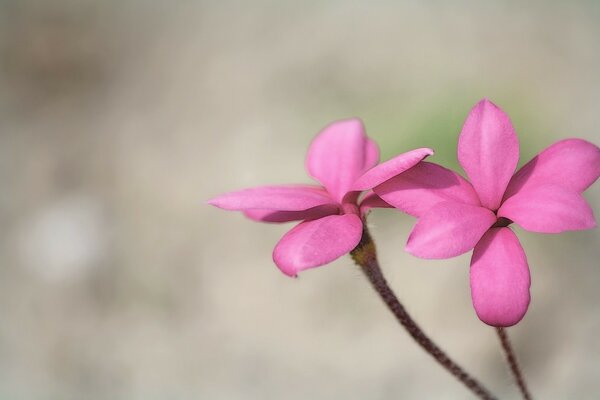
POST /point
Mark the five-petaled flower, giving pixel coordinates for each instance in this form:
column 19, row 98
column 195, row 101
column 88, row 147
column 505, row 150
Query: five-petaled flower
column 456, row 216
column 344, row 160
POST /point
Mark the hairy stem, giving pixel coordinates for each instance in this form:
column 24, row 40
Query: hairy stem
column 512, row 362
column 364, row 255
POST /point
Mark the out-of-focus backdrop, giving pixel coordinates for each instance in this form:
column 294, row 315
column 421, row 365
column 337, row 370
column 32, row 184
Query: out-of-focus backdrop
column 119, row 119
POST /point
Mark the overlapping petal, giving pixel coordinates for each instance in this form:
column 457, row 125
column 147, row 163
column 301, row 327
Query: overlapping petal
column 389, row 169
column 339, row 155
column 500, row 278
column 423, row 186
column 278, row 198
column 371, row 200
column 488, row 151
column 286, row 216
column 314, row 243
column 573, row 164
column 549, row 209
column 449, row 229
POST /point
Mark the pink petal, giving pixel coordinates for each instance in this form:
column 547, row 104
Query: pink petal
column 500, row 278
column 372, row 154
column 339, row 155
column 286, row 216
column 423, row 186
column 371, row 200
column 571, row 163
column 449, row 229
column 549, row 209
column 276, row 198
column 488, row 150
column 391, row 168
column 314, row 243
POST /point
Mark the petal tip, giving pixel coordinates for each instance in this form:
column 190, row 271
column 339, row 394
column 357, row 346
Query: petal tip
column 350, row 123
column 504, row 319
column 408, row 246
column 427, row 151
column 215, row 202
column 287, row 270
column 486, row 102
column 501, row 323
column 418, row 251
column 285, row 267
column 354, row 120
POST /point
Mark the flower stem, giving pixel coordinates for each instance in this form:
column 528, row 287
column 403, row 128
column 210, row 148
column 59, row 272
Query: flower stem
column 514, row 365
column 364, row 255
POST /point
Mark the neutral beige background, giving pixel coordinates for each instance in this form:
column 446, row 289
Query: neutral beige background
column 119, row 119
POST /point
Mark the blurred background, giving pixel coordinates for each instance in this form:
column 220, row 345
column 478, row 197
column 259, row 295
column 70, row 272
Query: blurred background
column 119, row 119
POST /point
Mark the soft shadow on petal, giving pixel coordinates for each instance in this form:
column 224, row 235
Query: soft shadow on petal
column 391, row 168
column 500, row 278
column 573, row 164
column 423, row 186
column 287, row 216
column 449, row 229
column 314, row 243
column 339, row 155
column 488, row 151
column 371, row 200
column 549, row 209
column 279, row 198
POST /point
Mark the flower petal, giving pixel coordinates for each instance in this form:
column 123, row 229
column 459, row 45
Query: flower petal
column 549, row 209
column 371, row 200
column 314, row 243
column 571, row 163
column 488, row 151
column 391, row 168
column 339, row 155
column 449, row 229
column 277, row 198
column 372, row 155
column 500, row 278
column 423, row 186
column 286, row 216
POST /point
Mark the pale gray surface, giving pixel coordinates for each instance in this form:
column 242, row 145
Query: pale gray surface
column 118, row 120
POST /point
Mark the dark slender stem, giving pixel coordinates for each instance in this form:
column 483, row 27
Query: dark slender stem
column 365, row 256
column 512, row 361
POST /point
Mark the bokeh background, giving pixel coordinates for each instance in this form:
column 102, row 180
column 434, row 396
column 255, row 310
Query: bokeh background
column 119, row 119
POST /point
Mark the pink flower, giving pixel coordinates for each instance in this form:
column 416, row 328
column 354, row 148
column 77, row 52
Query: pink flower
column 456, row 216
column 341, row 158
